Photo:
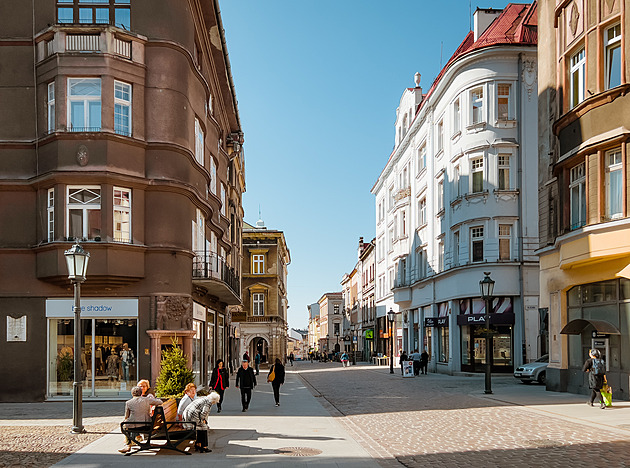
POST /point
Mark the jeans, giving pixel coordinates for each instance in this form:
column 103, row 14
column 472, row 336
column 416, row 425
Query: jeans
column 276, row 391
column 257, row 366
column 125, row 369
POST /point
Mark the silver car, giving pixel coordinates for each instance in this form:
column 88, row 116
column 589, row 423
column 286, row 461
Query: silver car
column 534, row 371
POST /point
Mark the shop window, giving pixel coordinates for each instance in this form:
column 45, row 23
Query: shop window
column 258, row 304
column 116, row 12
column 84, row 104
column 84, row 213
column 577, row 189
column 122, row 108
column 612, row 54
column 51, row 107
column 443, row 333
column 577, row 78
column 197, row 351
column 504, row 172
column 221, row 336
column 50, row 212
column 476, row 170
column 476, row 243
column 122, row 214
column 604, row 291
column 614, row 184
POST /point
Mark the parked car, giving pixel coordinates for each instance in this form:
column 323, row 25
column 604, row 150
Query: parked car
column 534, row 371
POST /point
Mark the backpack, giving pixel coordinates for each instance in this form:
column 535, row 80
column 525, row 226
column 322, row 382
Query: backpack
column 599, row 368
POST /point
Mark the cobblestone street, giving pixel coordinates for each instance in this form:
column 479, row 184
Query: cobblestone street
column 439, row 420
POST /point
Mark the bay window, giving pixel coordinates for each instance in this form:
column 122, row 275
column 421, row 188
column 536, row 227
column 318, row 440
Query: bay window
column 476, row 103
column 122, row 214
column 51, row 106
column 84, row 104
column 476, row 243
column 577, row 195
column 614, row 184
column 503, row 101
column 476, row 169
column 122, row 108
column 199, row 136
column 84, row 212
column 50, row 211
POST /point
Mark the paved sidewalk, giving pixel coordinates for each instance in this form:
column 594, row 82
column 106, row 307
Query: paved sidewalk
column 247, row 439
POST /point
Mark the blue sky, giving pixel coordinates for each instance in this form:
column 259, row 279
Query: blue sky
column 318, row 84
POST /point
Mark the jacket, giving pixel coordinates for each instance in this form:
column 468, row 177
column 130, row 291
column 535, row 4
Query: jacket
column 219, row 384
column 595, row 382
column 278, row 370
column 245, row 378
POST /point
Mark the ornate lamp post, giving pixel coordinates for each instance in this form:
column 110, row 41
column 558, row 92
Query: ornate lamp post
column 391, row 316
column 77, row 260
column 486, row 286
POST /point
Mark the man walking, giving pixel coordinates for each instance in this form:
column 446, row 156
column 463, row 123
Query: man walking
column 291, row 358
column 246, row 381
column 257, row 363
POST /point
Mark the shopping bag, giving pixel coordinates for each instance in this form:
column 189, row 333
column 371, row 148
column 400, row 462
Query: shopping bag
column 272, row 375
column 606, row 392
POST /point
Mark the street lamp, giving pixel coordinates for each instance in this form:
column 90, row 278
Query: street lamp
column 354, row 359
column 486, row 286
column 391, row 316
column 337, row 346
column 77, row 260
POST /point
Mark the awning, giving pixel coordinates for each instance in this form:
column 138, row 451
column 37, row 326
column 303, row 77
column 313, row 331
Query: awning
column 575, row 327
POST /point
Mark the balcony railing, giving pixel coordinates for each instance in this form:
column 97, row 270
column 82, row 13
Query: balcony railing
column 82, row 42
column 212, row 267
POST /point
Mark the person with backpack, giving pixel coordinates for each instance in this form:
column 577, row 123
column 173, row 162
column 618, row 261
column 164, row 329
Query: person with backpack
column 596, row 369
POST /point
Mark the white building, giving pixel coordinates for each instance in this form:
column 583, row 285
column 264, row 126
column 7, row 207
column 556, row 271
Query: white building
column 458, row 197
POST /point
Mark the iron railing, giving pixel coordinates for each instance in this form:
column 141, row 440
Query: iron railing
column 211, row 266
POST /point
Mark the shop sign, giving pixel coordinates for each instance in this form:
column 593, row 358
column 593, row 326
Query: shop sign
column 369, row 334
column 199, row 312
column 92, row 308
column 436, row 321
column 480, row 319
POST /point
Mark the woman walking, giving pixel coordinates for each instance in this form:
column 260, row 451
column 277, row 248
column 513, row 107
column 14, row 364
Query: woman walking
column 219, row 381
column 596, row 369
column 277, row 370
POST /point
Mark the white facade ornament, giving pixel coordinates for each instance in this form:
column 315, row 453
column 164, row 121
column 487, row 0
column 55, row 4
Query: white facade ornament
column 530, row 77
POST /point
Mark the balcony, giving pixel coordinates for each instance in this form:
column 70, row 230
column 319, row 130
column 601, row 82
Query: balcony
column 212, row 274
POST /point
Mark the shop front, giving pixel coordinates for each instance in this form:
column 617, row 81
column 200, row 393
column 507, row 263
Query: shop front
column 109, row 347
column 474, row 336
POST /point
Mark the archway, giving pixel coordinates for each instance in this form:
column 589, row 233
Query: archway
column 259, row 345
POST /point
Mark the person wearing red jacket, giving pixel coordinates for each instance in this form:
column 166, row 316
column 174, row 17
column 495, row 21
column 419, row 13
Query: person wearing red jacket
column 219, row 381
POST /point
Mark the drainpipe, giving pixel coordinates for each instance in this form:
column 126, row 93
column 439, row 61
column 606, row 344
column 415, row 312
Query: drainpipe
column 519, row 182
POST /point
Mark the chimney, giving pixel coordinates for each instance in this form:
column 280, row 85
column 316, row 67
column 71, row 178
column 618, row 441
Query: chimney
column 483, row 18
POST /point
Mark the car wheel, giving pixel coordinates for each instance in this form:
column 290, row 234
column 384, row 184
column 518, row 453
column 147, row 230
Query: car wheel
column 542, row 378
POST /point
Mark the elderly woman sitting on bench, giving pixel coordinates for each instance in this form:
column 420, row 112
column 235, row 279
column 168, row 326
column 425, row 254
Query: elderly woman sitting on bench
column 138, row 409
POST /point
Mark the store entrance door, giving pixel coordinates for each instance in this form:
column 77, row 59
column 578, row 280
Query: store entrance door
column 474, row 348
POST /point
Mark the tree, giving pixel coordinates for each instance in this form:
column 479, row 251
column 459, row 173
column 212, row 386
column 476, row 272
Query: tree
column 174, row 373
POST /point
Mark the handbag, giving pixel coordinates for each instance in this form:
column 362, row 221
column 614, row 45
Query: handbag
column 272, row 374
column 606, row 392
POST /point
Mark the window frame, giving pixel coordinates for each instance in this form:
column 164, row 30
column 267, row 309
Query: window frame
column 199, row 142
column 258, row 264
column 122, row 103
column 477, row 164
column 477, row 236
column 112, row 7
column 440, row 195
column 439, row 131
column 51, row 107
column 477, row 115
column 577, row 67
column 457, row 117
column 85, row 208
column 86, row 99
column 258, row 304
column 122, row 209
column 610, row 44
column 422, row 211
column 502, row 169
column 617, row 168
column 509, row 114
column 577, row 179
column 50, row 213
column 505, row 236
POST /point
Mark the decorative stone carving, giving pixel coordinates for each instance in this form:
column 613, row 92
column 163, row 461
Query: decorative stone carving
column 83, row 156
column 575, row 17
column 174, row 312
column 530, row 77
column 610, row 4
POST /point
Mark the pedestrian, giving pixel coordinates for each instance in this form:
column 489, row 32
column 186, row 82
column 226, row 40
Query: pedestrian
column 403, row 359
column 257, row 363
column 138, row 409
column 596, row 369
column 219, row 381
column 291, row 358
column 190, row 393
column 276, row 377
column 424, row 361
column 344, row 360
column 246, row 356
column 246, row 381
column 145, row 386
column 415, row 357
column 198, row 412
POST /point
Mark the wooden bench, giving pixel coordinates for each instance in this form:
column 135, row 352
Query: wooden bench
column 163, row 426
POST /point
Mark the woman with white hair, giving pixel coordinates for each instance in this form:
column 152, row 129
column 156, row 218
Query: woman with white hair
column 198, row 411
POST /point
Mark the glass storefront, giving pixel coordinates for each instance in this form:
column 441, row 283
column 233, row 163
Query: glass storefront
column 474, row 348
column 210, row 340
column 221, row 336
column 109, row 347
column 197, row 351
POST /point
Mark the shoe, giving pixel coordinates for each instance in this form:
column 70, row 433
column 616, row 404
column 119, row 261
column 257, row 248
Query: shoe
column 205, row 450
column 218, row 410
column 602, row 406
column 243, row 410
column 125, row 449
column 277, row 404
column 589, row 403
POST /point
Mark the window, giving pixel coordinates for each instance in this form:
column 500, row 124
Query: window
column 422, row 158
column 614, row 187
column 122, row 108
column 443, row 333
column 258, row 303
column 213, row 176
column 457, row 117
column 116, row 12
column 336, row 329
column 258, row 264
column 440, row 195
column 503, row 102
column 456, row 177
column 504, row 171
column 391, row 197
column 476, row 243
column 84, row 212
column 578, row 64
column 50, row 208
column 440, row 136
column 51, row 107
column 390, row 239
column 456, row 248
column 199, row 142
column 422, row 264
column 403, row 224
column 613, row 56
column 577, row 189
column 422, row 212
column 441, row 256
column 336, row 309
column 505, row 235
column 223, row 201
column 476, row 169
column 476, row 102
column 84, row 104
column 122, row 214
column 199, row 234
column 395, row 227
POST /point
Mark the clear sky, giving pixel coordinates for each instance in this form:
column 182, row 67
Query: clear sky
column 318, row 83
